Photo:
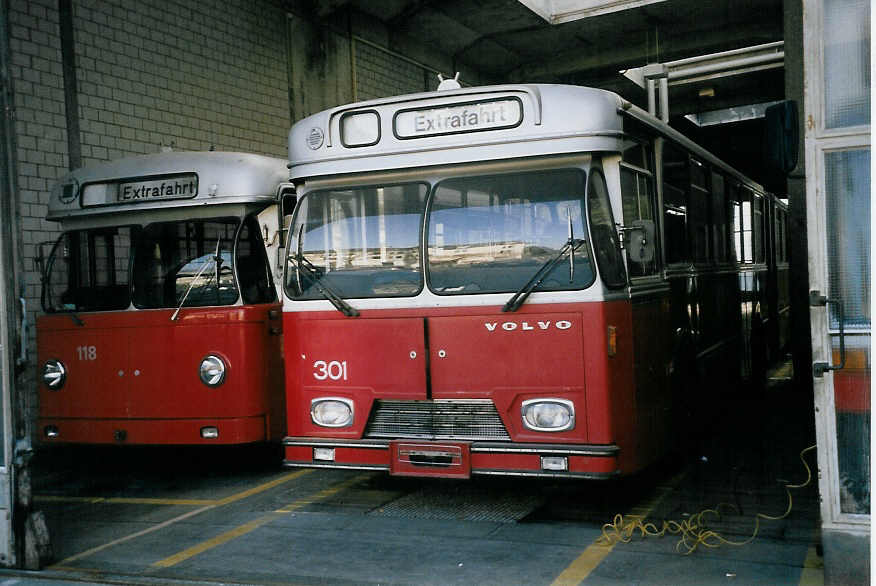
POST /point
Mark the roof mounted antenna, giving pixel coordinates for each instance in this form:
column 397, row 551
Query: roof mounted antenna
column 448, row 84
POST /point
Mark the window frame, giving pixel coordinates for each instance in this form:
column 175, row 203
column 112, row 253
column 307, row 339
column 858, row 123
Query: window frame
column 293, row 237
column 584, row 223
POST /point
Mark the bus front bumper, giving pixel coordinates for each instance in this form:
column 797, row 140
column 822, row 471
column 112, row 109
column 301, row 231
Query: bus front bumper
column 211, row 431
column 454, row 459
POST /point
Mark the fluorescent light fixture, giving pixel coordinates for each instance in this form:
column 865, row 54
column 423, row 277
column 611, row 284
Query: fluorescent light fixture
column 560, row 11
column 728, row 115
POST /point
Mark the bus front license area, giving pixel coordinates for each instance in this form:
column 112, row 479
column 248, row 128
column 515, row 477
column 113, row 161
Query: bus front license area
column 445, row 460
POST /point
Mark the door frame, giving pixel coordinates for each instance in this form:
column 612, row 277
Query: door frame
column 819, row 141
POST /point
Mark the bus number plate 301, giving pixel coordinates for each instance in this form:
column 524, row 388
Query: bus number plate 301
column 333, row 370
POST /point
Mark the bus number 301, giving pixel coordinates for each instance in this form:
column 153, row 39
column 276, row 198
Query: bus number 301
column 87, row 352
column 334, row 370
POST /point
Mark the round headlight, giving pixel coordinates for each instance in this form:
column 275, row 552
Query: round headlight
column 54, row 374
column 548, row 414
column 212, row 371
column 332, row 412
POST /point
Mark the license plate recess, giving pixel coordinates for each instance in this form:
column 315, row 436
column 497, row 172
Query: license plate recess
column 444, row 460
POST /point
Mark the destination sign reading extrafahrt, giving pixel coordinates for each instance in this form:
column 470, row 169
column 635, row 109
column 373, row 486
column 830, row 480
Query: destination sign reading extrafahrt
column 140, row 191
column 172, row 188
column 472, row 117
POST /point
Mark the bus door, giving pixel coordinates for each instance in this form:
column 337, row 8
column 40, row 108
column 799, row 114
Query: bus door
column 838, row 212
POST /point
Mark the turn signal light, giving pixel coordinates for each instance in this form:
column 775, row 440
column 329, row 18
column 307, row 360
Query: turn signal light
column 210, row 432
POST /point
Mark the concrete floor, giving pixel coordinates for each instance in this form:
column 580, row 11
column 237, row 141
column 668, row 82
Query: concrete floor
column 234, row 516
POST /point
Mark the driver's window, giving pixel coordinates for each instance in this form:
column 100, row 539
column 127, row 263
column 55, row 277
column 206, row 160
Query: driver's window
column 602, row 229
column 253, row 272
column 186, row 263
column 637, row 198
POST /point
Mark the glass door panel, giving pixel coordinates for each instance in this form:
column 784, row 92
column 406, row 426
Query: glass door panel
column 847, row 200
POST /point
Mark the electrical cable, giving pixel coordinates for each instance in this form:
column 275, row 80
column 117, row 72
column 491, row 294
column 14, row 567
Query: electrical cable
column 693, row 531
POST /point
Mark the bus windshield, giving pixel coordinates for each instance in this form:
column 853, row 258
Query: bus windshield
column 485, row 234
column 189, row 260
column 361, row 242
column 492, row 233
column 89, row 270
column 92, row 270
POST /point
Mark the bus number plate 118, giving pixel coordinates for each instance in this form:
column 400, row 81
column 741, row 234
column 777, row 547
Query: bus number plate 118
column 87, row 352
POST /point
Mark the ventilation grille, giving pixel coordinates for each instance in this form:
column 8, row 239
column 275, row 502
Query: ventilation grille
column 461, row 420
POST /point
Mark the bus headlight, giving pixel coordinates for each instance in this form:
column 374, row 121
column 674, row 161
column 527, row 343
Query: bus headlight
column 548, row 414
column 332, row 412
column 54, row 374
column 212, row 371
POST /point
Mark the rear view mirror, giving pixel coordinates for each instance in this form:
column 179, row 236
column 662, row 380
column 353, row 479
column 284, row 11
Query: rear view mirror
column 781, row 137
column 639, row 241
column 41, row 257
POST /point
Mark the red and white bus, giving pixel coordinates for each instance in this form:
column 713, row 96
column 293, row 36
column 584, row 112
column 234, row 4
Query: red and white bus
column 517, row 279
column 162, row 321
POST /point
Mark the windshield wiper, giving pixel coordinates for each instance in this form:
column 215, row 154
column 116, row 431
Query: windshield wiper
column 571, row 245
column 313, row 274
column 215, row 260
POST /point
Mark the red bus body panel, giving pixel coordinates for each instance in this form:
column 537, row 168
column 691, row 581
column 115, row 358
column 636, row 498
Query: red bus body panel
column 132, row 376
column 851, row 384
column 540, row 351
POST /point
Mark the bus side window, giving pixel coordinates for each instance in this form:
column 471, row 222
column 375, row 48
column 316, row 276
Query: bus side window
column 637, row 197
column 676, row 181
column 757, row 227
column 719, row 218
column 605, row 240
column 253, row 270
column 734, row 217
column 698, row 212
column 742, row 226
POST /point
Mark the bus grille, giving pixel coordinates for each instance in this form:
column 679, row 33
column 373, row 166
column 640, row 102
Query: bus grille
column 472, row 419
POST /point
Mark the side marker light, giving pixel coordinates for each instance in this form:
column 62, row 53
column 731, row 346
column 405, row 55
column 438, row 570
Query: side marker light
column 324, row 454
column 554, row 463
column 210, row 432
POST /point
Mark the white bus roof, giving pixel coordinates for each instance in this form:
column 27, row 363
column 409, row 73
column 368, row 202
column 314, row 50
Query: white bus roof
column 166, row 180
column 468, row 124
column 462, row 125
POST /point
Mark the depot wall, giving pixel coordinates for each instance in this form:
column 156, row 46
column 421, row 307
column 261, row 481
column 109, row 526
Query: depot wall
column 231, row 75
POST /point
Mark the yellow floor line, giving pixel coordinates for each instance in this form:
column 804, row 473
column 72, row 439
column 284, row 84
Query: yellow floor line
column 591, row 557
column 213, row 505
column 255, row 524
column 813, row 569
column 123, row 500
column 214, row 542
column 121, row 540
column 263, row 487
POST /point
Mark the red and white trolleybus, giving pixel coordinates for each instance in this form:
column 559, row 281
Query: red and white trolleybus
column 162, row 322
column 518, row 279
